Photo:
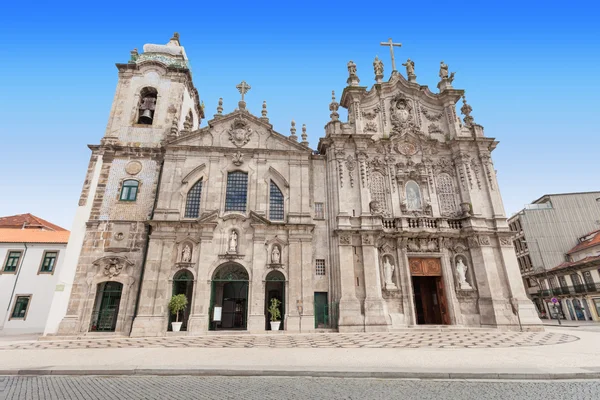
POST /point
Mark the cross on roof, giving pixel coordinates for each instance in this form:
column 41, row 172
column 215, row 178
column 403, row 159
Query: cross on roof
column 392, row 44
column 243, row 88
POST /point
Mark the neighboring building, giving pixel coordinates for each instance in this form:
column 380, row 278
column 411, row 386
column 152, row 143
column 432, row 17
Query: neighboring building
column 546, row 230
column 32, row 251
column 575, row 282
column 396, row 221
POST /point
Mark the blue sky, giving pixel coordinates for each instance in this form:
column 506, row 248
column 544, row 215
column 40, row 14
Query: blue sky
column 529, row 70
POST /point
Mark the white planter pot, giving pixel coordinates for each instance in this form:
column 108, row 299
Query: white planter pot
column 176, row 326
column 275, row 325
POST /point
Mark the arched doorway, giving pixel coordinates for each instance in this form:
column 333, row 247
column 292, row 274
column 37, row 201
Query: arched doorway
column 274, row 289
column 106, row 307
column 183, row 283
column 229, row 298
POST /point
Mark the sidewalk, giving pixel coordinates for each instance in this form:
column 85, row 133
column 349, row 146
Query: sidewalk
column 572, row 359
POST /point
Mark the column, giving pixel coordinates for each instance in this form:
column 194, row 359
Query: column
column 350, row 315
column 376, row 315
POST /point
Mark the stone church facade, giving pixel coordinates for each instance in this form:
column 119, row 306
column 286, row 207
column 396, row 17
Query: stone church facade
column 396, row 220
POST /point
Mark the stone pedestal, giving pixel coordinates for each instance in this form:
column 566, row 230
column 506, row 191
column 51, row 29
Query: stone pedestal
column 444, row 84
column 149, row 325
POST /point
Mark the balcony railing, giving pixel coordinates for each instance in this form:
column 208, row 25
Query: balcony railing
column 423, row 223
column 565, row 290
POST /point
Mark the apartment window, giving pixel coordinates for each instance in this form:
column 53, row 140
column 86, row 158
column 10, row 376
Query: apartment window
column 320, row 267
column 129, row 190
column 275, row 203
column 237, row 191
column 12, row 261
column 319, row 211
column 192, row 204
column 48, row 262
column 20, row 308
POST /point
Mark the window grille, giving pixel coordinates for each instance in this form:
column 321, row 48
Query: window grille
column 192, row 204
column 377, row 187
column 320, row 267
column 275, row 203
column 319, row 211
column 446, row 194
column 237, row 191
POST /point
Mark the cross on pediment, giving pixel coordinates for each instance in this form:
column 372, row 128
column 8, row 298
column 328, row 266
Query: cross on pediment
column 243, row 87
column 392, row 44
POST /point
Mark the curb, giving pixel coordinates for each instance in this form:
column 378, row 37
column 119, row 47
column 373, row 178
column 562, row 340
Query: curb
column 291, row 373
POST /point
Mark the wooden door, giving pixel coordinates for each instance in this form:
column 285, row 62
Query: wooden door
column 443, row 303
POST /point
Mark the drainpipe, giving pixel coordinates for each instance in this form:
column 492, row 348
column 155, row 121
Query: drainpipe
column 145, row 255
column 14, row 286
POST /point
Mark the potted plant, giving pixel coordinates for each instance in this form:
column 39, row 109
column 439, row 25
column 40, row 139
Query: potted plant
column 176, row 305
column 275, row 314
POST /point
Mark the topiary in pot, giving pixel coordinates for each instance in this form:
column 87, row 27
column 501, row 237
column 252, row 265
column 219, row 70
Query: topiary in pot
column 176, row 305
column 275, row 314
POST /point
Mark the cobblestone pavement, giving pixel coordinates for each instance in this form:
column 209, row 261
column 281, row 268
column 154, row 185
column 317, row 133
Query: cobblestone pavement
column 247, row 388
column 330, row 340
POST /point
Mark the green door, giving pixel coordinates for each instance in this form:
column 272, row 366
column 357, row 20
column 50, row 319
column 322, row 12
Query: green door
column 105, row 319
column 321, row 310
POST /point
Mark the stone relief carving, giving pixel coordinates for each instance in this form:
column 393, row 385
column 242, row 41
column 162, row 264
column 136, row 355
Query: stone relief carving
column 345, row 240
column 339, row 155
column 370, row 127
column 484, row 240
column 367, row 239
column 505, row 241
column 240, row 132
column 406, row 148
column 430, row 115
column 473, row 242
column 422, row 245
column 486, row 161
column 401, row 116
column 133, row 167
column 112, row 266
column 362, row 163
column 370, row 115
column 237, row 159
column 476, row 172
column 433, row 128
column 350, row 165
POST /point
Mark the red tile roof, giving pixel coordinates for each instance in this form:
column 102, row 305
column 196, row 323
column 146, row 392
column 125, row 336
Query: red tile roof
column 33, row 236
column 28, row 221
column 592, row 241
column 567, row 264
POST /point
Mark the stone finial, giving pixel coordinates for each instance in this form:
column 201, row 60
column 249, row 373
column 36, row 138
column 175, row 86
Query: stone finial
column 466, row 110
column 304, row 135
column 243, row 88
column 352, row 77
column 264, row 110
column 174, row 127
column 333, row 107
column 134, row 56
column 293, row 131
column 219, row 108
column 176, row 38
column 378, row 68
column 410, row 70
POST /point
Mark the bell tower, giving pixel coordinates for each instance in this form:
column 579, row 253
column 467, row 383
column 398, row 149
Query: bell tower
column 155, row 100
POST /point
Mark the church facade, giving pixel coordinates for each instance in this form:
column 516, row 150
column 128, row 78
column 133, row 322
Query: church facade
column 395, row 221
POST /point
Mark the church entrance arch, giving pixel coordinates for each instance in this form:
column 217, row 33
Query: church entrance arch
column 229, row 298
column 431, row 305
column 183, row 283
column 274, row 289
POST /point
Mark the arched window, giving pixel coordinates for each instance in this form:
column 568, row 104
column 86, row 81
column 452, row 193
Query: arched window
column 192, row 204
column 129, row 190
column 275, row 203
column 147, row 105
column 446, row 194
column 377, row 186
column 237, row 191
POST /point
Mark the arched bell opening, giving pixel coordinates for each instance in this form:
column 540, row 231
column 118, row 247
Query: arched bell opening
column 274, row 289
column 183, row 283
column 229, row 298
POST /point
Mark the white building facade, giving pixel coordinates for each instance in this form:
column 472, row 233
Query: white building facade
column 31, row 262
column 395, row 221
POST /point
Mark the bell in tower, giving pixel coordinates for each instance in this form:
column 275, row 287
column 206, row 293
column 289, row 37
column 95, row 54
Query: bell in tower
column 147, row 105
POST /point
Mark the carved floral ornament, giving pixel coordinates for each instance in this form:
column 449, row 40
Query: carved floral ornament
column 240, row 132
column 112, row 266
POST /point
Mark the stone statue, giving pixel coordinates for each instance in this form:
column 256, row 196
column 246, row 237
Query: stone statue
column 186, row 254
column 352, row 78
column 351, row 68
column 443, row 70
column 410, row 67
column 378, row 66
column 461, row 270
column 233, row 239
column 275, row 255
column 388, row 272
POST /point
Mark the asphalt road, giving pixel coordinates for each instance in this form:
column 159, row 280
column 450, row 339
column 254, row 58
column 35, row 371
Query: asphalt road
column 248, row 388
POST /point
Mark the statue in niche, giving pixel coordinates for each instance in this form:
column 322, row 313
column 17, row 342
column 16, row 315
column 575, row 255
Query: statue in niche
column 233, row 242
column 276, row 255
column 186, row 254
column 461, row 271
column 413, row 196
column 388, row 272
